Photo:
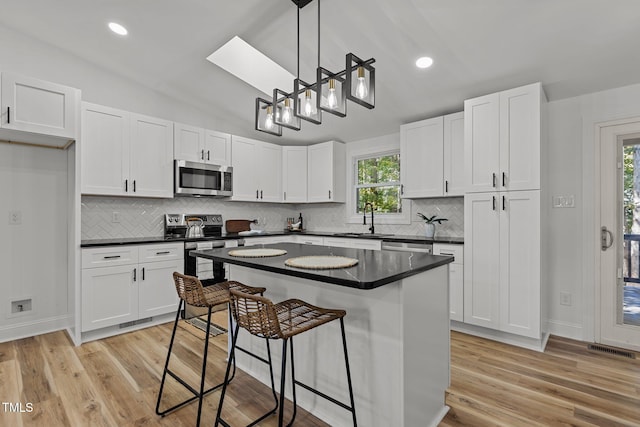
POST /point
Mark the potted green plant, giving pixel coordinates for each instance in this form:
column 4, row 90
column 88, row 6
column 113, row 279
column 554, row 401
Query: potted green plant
column 430, row 224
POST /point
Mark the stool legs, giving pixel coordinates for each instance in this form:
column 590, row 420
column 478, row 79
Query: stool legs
column 197, row 394
column 346, row 361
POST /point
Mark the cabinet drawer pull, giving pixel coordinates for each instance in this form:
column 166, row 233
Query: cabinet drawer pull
column 163, row 253
column 494, row 180
column 111, row 257
column 446, row 253
column 135, row 274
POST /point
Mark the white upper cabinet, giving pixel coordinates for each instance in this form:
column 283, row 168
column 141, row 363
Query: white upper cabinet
column 257, row 170
column 217, row 146
column 201, row 145
column 125, row 154
column 454, row 154
column 188, row 143
column 326, row 172
column 151, row 153
column 294, row 174
column 104, row 150
column 502, row 140
column 432, row 157
column 421, row 158
column 40, row 108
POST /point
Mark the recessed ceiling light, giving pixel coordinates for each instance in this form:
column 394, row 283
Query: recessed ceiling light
column 118, row 29
column 424, row 62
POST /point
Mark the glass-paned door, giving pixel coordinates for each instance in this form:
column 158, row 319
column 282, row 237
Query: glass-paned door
column 628, row 301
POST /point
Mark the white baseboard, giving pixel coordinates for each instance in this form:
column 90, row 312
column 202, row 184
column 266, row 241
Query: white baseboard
column 35, row 327
column 566, row 330
column 504, row 337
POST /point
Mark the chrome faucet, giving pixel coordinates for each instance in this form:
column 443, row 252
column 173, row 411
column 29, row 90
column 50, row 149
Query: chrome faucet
column 364, row 217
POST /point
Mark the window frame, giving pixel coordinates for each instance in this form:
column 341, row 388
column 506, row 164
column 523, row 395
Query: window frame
column 352, row 185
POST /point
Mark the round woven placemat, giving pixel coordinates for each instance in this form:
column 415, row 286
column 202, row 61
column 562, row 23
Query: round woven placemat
column 257, row 252
column 321, row 262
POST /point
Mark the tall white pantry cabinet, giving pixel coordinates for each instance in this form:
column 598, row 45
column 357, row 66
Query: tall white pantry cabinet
column 504, row 141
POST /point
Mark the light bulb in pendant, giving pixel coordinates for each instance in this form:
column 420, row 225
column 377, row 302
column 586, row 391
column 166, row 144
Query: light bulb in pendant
column 268, row 121
column 332, row 98
column 308, row 105
column 286, row 111
column 361, row 89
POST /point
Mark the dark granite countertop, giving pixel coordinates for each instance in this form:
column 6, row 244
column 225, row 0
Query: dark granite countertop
column 374, row 268
column 233, row 236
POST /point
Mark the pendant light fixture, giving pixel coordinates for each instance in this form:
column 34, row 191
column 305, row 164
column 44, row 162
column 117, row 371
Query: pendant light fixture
column 329, row 92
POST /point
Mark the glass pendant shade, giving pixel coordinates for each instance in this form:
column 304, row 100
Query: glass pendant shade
column 305, row 102
column 284, row 107
column 332, row 97
column 266, row 118
column 360, row 81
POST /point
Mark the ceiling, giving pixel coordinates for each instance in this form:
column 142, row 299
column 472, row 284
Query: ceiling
column 571, row 46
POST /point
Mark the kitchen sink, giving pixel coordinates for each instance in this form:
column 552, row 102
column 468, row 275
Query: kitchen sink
column 361, row 235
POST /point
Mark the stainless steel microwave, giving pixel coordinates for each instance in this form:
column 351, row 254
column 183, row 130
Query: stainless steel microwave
column 202, row 179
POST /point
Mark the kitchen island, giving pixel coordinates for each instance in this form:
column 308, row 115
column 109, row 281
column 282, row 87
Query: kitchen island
column 397, row 328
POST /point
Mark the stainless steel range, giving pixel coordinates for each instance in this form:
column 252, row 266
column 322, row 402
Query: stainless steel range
column 176, row 226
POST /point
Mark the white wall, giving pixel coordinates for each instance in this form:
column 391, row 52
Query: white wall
column 572, row 232
column 33, row 254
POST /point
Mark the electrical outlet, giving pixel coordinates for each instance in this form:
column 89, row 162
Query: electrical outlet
column 565, row 298
column 21, row 306
column 115, row 217
column 15, row 218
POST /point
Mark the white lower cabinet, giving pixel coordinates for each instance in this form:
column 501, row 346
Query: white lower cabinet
column 128, row 283
column 456, row 278
column 341, row 242
column 308, row 240
column 502, row 273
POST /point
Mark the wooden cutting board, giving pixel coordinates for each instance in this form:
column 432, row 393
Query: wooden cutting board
column 237, row 225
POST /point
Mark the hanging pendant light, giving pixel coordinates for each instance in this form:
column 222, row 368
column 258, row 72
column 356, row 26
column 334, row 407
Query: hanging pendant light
column 329, row 93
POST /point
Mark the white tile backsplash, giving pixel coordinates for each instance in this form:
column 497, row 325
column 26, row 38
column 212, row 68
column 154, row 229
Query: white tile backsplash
column 140, row 217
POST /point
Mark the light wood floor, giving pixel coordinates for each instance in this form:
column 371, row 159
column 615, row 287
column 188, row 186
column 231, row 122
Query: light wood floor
column 114, row 382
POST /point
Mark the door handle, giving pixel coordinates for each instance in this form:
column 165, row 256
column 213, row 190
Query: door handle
column 8, row 115
column 603, row 238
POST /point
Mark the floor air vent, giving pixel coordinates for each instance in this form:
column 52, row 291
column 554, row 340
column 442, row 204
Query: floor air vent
column 611, row 350
column 135, row 322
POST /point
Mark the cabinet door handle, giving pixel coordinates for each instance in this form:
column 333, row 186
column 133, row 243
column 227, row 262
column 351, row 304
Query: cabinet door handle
column 504, row 201
column 135, row 274
column 446, row 186
column 257, row 194
column 260, row 194
column 111, row 257
column 401, row 189
column 163, row 253
column 202, row 155
column 142, row 273
column 134, row 185
column 126, row 185
column 285, row 195
column 329, row 193
column 504, row 179
column 208, row 154
column 494, row 180
column 8, row 115
column 494, row 202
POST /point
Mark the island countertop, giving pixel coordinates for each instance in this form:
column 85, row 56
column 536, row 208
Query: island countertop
column 374, row 268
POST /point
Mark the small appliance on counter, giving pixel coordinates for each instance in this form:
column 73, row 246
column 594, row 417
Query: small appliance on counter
column 295, row 226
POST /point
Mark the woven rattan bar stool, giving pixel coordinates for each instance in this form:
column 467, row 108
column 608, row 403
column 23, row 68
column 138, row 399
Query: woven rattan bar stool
column 283, row 320
column 190, row 290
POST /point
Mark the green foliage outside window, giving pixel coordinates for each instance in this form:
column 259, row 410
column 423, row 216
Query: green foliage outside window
column 378, row 182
